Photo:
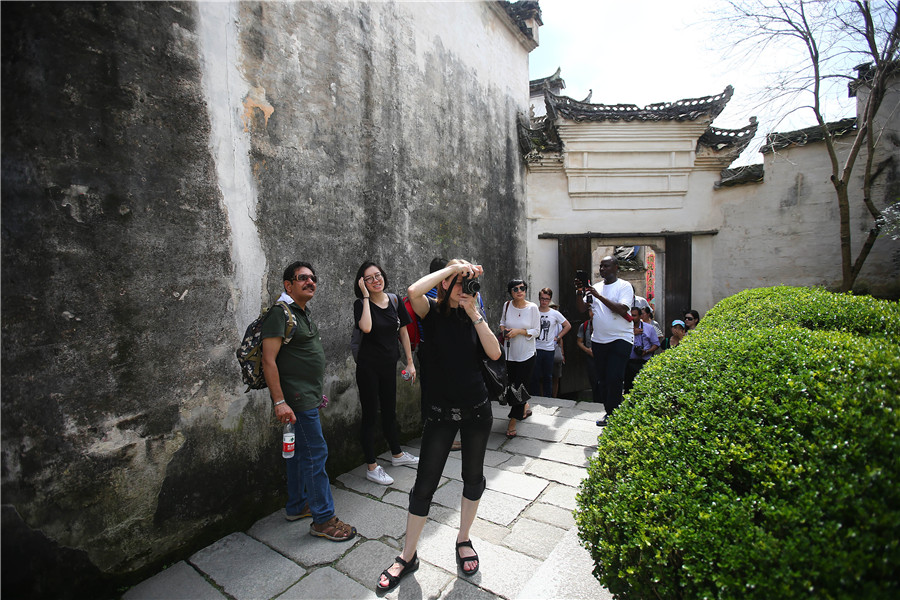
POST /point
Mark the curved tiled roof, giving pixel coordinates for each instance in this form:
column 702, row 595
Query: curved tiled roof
column 801, row 137
column 719, row 139
column 550, row 82
column 688, row 109
column 740, row 175
column 522, row 11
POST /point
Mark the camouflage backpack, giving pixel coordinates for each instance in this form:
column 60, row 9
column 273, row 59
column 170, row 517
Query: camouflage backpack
column 249, row 353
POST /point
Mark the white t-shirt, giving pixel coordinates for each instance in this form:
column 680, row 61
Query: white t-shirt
column 521, row 347
column 551, row 322
column 608, row 326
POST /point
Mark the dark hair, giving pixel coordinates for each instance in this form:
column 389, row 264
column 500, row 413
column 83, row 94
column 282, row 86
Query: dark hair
column 361, row 271
column 291, row 269
column 648, row 311
column 513, row 283
column 547, row 291
column 437, row 263
column 443, row 296
column 694, row 314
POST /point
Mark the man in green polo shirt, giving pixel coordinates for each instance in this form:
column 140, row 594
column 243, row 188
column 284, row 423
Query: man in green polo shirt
column 295, row 373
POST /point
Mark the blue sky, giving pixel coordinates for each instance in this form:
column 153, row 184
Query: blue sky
column 661, row 51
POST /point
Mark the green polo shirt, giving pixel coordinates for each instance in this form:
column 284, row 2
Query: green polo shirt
column 301, row 363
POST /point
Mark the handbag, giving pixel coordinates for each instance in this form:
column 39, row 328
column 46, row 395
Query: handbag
column 557, row 354
column 495, row 378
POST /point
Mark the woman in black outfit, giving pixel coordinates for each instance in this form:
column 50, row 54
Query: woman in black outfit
column 458, row 340
column 380, row 316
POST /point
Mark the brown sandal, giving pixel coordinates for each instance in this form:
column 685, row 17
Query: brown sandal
column 334, row 530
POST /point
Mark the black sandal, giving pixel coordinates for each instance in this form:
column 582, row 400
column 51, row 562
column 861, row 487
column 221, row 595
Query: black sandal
column 461, row 561
column 394, row 580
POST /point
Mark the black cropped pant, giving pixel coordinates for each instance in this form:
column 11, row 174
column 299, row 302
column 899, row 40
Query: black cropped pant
column 378, row 390
column 437, row 437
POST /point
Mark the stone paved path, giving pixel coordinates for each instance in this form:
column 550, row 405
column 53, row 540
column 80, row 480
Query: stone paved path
column 525, row 533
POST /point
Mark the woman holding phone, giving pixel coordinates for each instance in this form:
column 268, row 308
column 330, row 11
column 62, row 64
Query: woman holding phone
column 459, row 338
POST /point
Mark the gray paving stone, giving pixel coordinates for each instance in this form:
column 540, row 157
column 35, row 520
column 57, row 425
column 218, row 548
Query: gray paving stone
column 494, row 506
column 246, row 568
column 501, row 568
column 447, row 515
column 546, row 402
column 463, row 590
column 366, row 563
column 514, row 484
column 453, row 467
column 397, row 499
column 493, row 458
column 535, row 429
column 561, row 453
column 590, row 406
column 550, row 514
column 578, row 425
column 582, row 438
column 485, row 530
column 326, row 582
column 580, row 413
column 371, row 518
column 179, row 582
column 533, row 538
column 495, row 440
column 516, row 464
column 560, row 495
column 356, row 481
column 574, row 582
column 553, row 471
column 292, row 539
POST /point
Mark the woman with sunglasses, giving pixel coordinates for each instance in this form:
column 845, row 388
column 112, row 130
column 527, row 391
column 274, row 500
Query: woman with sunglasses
column 458, row 340
column 380, row 316
column 520, row 323
column 691, row 318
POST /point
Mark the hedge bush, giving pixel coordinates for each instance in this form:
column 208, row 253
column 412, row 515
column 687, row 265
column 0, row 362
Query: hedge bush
column 759, row 459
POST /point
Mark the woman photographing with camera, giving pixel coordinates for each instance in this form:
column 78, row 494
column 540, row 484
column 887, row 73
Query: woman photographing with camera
column 458, row 339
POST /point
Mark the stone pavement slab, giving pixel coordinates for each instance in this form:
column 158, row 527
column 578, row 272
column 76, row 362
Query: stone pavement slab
column 583, row 438
column 553, row 471
column 561, row 453
column 292, row 539
column 327, row 583
column 573, row 582
column 503, row 571
column 461, row 589
column 179, row 582
column 514, row 484
column 371, row 518
column 247, row 569
column 366, row 563
column 494, row 506
column 550, row 514
column 533, row 538
column 560, row 495
column 580, row 413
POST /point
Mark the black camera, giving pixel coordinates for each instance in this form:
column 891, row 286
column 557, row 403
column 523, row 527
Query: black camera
column 639, row 350
column 470, row 286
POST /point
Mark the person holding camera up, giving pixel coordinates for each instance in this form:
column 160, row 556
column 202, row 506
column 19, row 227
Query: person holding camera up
column 520, row 324
column 458, row 339
column 646, row 343
column 613, row 335
column 380, row 317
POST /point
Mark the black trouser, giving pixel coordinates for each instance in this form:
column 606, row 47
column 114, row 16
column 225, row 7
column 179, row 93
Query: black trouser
column 519, row 373
column 610, row 359
column 631, row 371
column 437, row 437
column 377, row 384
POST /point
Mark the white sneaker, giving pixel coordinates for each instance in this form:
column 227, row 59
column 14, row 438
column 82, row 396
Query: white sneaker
column 379, row 476
column 405, row 458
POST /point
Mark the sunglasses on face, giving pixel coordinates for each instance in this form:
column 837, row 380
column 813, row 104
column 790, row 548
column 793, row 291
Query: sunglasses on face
column 689, row 318
column 519, row 288
column 545, row 299
column 373, row 278
column 304, row 277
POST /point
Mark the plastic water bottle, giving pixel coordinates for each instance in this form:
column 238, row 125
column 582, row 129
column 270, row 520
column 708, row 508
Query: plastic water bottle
column 406, row 376
column 287, row 441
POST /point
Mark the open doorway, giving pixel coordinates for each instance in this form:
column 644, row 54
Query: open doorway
column 658, row 267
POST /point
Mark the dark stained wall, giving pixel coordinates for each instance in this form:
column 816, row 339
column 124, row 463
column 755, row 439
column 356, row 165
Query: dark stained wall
column 127, row 439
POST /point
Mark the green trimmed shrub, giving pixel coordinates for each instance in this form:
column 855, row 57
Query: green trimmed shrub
column 759, row 459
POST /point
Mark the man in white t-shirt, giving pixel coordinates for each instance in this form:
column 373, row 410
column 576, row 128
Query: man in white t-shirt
column 613, row 335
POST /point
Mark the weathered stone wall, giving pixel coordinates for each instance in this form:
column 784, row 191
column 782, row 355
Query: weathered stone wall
column 162, row 163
